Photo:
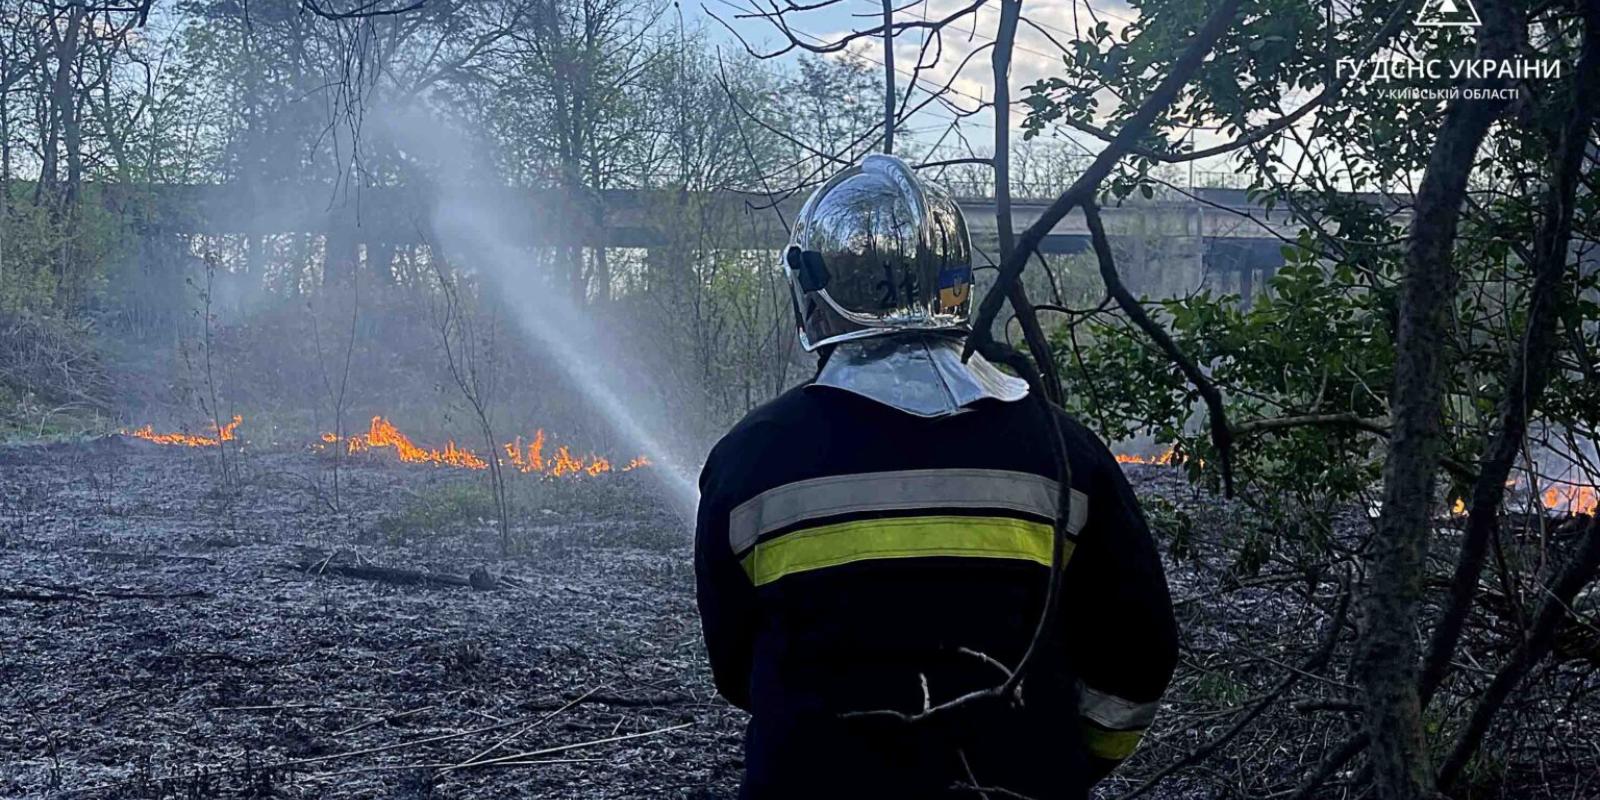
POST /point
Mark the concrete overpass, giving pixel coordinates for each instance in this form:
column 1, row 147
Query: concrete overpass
column 1218, row 233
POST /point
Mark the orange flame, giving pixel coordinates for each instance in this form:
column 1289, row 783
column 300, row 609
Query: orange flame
column 1563, row 498
column 383, row 434
column 223, row 434
column 528, row 458
column 1163, row 459
column 1572, row 499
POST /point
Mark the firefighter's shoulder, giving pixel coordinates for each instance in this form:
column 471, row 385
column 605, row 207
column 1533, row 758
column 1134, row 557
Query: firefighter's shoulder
column 1084, row 443
column 756, row 437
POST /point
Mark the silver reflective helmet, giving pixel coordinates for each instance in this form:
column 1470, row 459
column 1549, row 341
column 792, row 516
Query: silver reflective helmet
column 877, row 251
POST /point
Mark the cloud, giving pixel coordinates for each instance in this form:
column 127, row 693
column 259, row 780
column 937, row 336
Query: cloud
column 1037, row 53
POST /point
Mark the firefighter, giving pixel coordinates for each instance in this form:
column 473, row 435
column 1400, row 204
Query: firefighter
column 880, row 539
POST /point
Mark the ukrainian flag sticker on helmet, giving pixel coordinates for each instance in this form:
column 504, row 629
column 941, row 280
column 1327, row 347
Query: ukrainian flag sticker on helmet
column 954, row 285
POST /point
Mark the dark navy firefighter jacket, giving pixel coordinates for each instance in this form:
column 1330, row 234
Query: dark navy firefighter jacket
column 851, row 557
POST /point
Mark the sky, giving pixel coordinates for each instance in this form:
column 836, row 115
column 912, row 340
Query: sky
column 1034, row 55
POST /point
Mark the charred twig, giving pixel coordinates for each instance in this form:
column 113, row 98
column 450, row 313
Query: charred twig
column 394, row 575
column 35, row 597
column 405, row 767
column 383, row 720
column 114, row 555
column 601, row 698
column 80, row 593
column 1313, row 706
column 520, row 732
column 519, row 759
column 331, row 709
column 1579, row 570
column 1317, row 661
column 348, row 754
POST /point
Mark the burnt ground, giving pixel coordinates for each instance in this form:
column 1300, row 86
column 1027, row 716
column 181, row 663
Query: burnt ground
column 169, row 635
column 164, row 633
column 257, row 678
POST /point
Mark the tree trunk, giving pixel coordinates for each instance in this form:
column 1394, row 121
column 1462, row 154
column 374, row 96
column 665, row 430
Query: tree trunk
column 1385, row 663
column 1531, row 360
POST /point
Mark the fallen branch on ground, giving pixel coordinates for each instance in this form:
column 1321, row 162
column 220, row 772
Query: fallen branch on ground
column 520, row 759
column 480, row 579
column 64, row 593
column 35, row 597
column 116, row 555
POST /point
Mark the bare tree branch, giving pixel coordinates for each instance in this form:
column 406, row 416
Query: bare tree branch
column 1088, row 184
column 360, row 12
column 1578, row 571
column 1221, row 433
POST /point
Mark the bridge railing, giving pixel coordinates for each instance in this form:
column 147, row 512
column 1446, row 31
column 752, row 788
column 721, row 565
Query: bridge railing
column 1042, row 191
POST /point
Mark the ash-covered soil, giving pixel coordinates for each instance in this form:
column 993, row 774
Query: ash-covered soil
column 159, row 640
column 166, row 633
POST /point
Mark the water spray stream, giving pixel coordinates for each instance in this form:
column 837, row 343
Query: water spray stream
column 555, row 326
column 478, row 232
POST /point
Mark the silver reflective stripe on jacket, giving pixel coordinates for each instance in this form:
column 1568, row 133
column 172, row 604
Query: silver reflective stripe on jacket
column 899, row 490
column 1115, row 713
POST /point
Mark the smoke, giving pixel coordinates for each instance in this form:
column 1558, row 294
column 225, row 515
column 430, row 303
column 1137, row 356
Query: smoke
column 478, row 229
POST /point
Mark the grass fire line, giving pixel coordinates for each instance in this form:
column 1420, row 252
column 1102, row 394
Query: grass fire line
column 382, row 435
column 1560, row 496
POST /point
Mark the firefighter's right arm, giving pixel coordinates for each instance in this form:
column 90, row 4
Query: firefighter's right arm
column 724, row 594
column 1120, row 627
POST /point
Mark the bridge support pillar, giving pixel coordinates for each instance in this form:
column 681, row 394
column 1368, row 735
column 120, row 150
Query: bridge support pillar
column 341, row 257
column 380, row 262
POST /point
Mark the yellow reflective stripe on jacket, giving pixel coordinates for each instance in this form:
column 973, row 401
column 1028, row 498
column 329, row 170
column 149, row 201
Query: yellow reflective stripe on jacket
column 900, row 537
column 926, row 490
column 1110, row 745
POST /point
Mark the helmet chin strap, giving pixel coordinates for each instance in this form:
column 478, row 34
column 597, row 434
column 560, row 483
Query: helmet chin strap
column 921, row 374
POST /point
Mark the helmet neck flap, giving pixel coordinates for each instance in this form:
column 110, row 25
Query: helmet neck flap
column 919, row 373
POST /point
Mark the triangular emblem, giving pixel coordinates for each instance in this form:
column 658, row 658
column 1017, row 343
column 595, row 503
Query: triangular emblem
column 1448, row 14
